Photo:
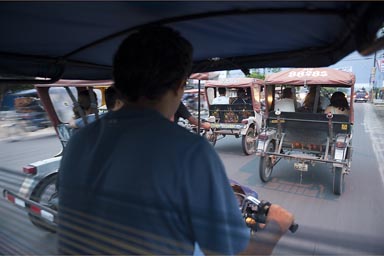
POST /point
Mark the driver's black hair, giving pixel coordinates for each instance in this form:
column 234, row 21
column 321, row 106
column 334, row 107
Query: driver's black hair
column 222, row 91
column 150, row 62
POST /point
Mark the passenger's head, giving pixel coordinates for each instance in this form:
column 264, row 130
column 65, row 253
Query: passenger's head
column 222, row 91
column 310, row 97
column 240, row 93
column 112, row 100
column 338, row 100
column 287, row 93
column 84, row 100
column 150, row 62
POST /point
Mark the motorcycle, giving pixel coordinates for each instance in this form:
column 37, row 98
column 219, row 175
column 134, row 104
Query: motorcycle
column 43, row 213
column 38, row 192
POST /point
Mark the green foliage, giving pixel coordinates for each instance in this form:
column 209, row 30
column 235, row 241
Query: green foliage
column 273, row 70
column 256, row 75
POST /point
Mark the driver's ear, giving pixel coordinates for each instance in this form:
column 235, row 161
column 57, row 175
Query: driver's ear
column 180, row 88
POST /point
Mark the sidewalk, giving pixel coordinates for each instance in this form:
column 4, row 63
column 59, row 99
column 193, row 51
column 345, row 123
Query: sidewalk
column 379, row 109
column 7, row 134
column 378, row 102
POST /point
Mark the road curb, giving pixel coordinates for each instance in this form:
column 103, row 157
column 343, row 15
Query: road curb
column 27, row 135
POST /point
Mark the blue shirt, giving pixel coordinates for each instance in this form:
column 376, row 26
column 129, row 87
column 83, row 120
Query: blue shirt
column 79, row 122
column 133, row 182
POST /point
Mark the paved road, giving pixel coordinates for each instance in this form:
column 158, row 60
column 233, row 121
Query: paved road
column 376, row 129
column 345, row 225
column 348, row 224
column 17, row 235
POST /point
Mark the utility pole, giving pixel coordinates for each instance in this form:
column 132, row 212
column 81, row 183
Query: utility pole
column 372, row 79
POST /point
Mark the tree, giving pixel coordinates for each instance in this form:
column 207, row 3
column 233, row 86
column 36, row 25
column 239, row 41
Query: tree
column 256, row 75
column 256, row 72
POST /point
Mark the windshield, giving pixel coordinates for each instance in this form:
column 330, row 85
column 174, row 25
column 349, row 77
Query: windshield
column 63, row 103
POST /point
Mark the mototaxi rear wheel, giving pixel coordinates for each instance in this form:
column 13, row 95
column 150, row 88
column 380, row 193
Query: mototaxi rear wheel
column 266, row 164
column 45, row 193
column 248, row 141
column 338, row 180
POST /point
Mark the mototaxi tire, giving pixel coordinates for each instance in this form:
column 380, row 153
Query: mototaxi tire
column 265, row 164
column 45, row 192
column 249, row 147
column 338, row 180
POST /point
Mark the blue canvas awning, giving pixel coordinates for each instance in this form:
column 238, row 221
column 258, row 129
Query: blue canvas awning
column 77, row 40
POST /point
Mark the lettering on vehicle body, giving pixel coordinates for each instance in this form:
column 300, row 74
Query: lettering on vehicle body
column 307, row 72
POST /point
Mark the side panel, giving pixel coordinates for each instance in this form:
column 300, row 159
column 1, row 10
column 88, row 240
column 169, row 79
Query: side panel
column 44, row 168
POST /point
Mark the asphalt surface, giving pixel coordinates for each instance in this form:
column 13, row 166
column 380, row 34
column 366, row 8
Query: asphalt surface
column 350, row 224
column 379, row 109
column 9, row 133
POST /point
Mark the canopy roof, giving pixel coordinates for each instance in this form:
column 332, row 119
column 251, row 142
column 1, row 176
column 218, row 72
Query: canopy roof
column 234, row 82
column 312, row 76
column 205, row 76
column 77, row 40
column 77, row 83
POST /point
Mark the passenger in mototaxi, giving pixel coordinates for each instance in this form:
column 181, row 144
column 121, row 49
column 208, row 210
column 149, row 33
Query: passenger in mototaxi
column 286, row 103
column 222, row 98
column 339, row 104
column 241, row 97
column 309, row 102
column 112, row 100
column 172, row 194
column 84, row 102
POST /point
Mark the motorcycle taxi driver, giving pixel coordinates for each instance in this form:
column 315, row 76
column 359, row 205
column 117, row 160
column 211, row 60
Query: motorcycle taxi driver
column 125, row 189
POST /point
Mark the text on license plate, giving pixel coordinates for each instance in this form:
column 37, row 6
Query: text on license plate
column 227, row 126
column 300, row 167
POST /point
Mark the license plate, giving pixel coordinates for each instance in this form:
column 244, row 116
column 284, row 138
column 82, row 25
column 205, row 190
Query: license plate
column 260, row 145
column 302, row 167
column 227, row 126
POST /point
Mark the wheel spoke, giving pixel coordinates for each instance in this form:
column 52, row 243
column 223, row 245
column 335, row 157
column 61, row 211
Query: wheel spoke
column 266, row 165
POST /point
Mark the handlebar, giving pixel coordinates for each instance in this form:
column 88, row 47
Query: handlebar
column 259, row 214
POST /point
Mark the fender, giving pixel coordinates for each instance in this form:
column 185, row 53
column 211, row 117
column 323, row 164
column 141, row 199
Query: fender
column 264, row 138
column 342, row 143
column 250, row 122
column 44, row 168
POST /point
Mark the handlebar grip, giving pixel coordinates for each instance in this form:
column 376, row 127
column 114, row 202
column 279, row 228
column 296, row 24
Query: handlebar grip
column 294, row 227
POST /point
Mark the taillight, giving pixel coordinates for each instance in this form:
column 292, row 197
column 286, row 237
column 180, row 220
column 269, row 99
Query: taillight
column 30, row 169
column 297, row 144
column 341, row 144
column 10, row 198
column 263, row 137
column 35, row 209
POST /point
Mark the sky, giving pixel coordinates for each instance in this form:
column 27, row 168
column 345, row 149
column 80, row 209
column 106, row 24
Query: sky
column 361, row 66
